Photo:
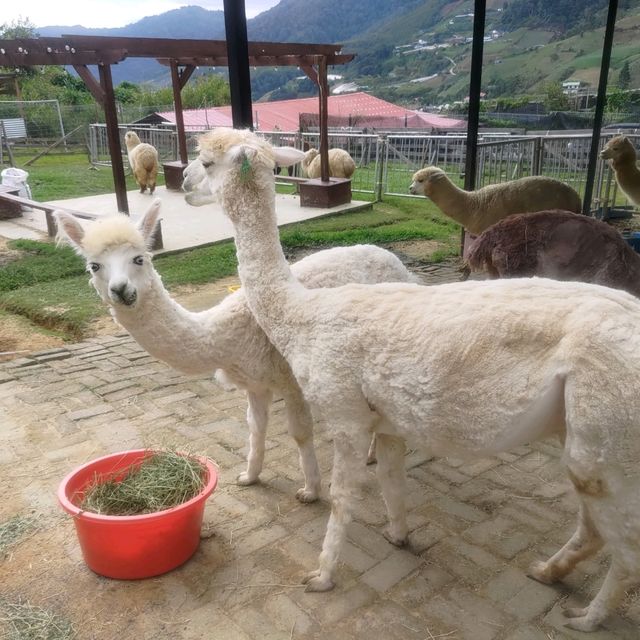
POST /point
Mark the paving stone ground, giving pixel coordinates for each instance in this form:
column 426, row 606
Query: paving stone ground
column 475, row 525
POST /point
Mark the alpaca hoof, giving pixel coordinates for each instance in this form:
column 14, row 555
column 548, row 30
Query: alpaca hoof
column 396, row 540
column 306, row 496
column 580, row 623
column 541, row 572
column 316, row 583
column 245, row 479
column 576, row 612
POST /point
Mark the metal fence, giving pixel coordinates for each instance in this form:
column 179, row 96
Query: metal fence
column 386, row 163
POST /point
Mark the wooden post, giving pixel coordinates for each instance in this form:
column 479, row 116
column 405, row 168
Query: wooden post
column 323, row 87
column 113, row 137
column 177, row 104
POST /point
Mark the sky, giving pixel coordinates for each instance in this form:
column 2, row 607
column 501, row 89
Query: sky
column 106, row 13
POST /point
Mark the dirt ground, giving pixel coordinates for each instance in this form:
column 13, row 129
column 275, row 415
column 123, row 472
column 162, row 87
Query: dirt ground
column 18, row 336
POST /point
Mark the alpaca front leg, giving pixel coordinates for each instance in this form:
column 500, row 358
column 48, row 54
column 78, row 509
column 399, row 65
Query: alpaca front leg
column 610, row 594
column 583, row 543
column 257, row 418
column 300, row 424
column 391, row 475
column 348, row 465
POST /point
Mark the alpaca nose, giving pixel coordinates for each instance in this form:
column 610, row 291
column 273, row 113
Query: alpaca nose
column 118, row 289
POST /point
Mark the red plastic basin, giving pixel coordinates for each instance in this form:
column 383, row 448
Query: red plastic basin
column 133, row 547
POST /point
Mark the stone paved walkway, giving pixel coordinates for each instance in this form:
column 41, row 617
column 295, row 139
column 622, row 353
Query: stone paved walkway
column 475, row 526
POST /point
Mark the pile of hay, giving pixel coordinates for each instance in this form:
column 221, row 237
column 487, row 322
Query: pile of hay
column 162, row 480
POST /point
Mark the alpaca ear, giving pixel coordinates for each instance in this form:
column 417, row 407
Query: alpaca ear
column 69, row 230
column 287, row 156
column 148, row 224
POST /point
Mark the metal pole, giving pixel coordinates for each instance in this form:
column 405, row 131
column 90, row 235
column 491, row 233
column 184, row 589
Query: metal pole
column 600, row 103
column 63, row 136
column 235, row 21
column 475, row 83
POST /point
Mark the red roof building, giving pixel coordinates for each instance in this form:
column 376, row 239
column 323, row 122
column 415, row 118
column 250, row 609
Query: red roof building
column 359, row 110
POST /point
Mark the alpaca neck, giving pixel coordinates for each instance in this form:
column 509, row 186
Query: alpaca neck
column 454, row 202
column 628, row 177
column 190, row 342
column 270, row 287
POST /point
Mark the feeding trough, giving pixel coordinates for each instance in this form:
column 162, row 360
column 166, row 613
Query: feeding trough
column 130, row 547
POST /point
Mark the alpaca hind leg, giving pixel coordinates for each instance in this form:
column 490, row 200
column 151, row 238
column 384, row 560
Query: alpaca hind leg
column 391, row 475
column 350, row 452
column 257, row 418
column 613, row 588
column 300, row 425
column 583, row 543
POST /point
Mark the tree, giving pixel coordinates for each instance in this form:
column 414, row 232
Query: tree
column 21, row 28
column 555, row 98
column 624, row 79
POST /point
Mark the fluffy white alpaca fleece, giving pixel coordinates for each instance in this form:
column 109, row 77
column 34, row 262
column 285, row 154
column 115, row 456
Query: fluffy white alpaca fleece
column 465, row 369
column 225, row 338
column 478, row 210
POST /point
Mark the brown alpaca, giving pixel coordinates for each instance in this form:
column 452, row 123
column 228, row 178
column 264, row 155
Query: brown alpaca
column 559, row 245
column 623, row 161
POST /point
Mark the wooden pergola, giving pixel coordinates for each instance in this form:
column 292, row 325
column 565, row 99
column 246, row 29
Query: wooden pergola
column 182, row 57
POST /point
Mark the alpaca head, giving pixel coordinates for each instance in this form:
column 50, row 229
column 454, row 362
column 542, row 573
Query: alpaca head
column 226, row 155
column 117, row 252
column 619, row 148
column 424, row 181
column 309, row 157
column 131, row 139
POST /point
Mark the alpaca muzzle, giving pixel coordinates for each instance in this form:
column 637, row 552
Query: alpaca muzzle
column 121, row 294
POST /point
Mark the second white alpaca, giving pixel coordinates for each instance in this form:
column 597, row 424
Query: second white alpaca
column 225, row 337
column 466, row 369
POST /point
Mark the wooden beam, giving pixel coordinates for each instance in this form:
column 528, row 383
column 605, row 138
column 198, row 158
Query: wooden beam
column 95, row 88
column 185, row 74
column 25, row 52
column 177, row 105
column 176, row 48
column 259, row 61
column 113, row 138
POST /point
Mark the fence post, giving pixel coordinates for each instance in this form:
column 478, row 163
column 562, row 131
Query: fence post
column 538, row 152
column 381, row 149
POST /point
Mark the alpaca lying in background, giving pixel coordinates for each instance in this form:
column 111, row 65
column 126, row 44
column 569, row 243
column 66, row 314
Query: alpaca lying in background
column 143, row 160
column 559, row 245
column 224, row 338
column 464, row 369
column 478, row 210
column 623, row 160
column 341, row 164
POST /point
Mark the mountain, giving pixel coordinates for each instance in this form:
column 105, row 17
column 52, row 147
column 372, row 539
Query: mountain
column 416, row 52
column 186, row 22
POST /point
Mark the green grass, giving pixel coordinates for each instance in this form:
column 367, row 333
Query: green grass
column 48, row 285
column 67, row 175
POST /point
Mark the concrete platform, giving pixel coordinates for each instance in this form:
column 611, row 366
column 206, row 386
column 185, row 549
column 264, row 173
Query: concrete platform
column 183, row 226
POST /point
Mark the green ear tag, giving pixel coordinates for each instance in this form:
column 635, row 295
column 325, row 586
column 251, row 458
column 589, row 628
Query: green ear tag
column 245, row 168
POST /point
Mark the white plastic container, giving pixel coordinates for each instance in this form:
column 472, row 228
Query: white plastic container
column 17, row 178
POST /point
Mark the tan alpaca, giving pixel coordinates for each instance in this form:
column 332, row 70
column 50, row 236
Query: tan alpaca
column 623, row 161
column 143, row 160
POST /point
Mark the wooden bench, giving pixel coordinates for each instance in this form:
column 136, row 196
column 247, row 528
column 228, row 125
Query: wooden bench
column 48, row 211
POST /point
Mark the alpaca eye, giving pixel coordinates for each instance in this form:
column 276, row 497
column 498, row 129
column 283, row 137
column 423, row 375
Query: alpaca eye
column 206, row 165
column 139, row 260
column 94, row 266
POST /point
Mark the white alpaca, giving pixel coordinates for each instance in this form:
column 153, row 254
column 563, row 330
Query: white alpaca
column 478, row 210
column 341, row 164
column 196, row 183
column 224, row 338
column 465, row 369
column 143, row 160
